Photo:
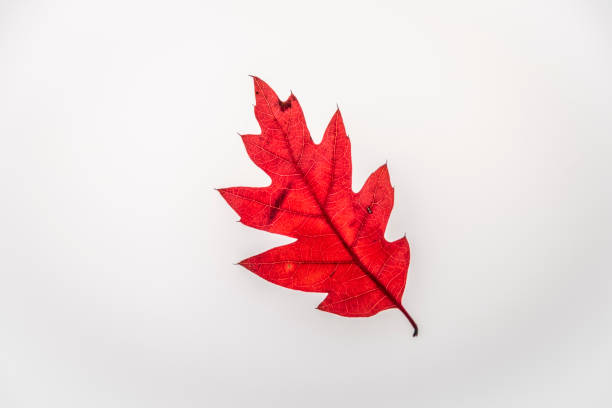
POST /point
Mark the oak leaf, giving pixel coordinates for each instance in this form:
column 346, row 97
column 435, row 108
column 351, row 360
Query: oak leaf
column 340, row 248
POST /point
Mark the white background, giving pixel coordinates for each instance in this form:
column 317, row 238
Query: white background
column 117, row 279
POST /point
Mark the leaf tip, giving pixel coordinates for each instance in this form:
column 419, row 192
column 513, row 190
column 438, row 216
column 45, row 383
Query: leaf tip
column 385, row 166
column 244, row 263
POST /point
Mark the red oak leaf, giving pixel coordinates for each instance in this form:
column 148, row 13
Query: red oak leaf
column 340, row 249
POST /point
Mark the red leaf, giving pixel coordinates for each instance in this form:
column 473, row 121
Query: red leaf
column 340, row 247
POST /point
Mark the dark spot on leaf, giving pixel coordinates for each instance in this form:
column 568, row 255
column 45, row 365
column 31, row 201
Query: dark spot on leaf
column 284, row 105
column 278, row 202
column 369, row 210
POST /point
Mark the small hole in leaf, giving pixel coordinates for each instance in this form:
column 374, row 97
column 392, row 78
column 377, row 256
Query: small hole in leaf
column 369, row 210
